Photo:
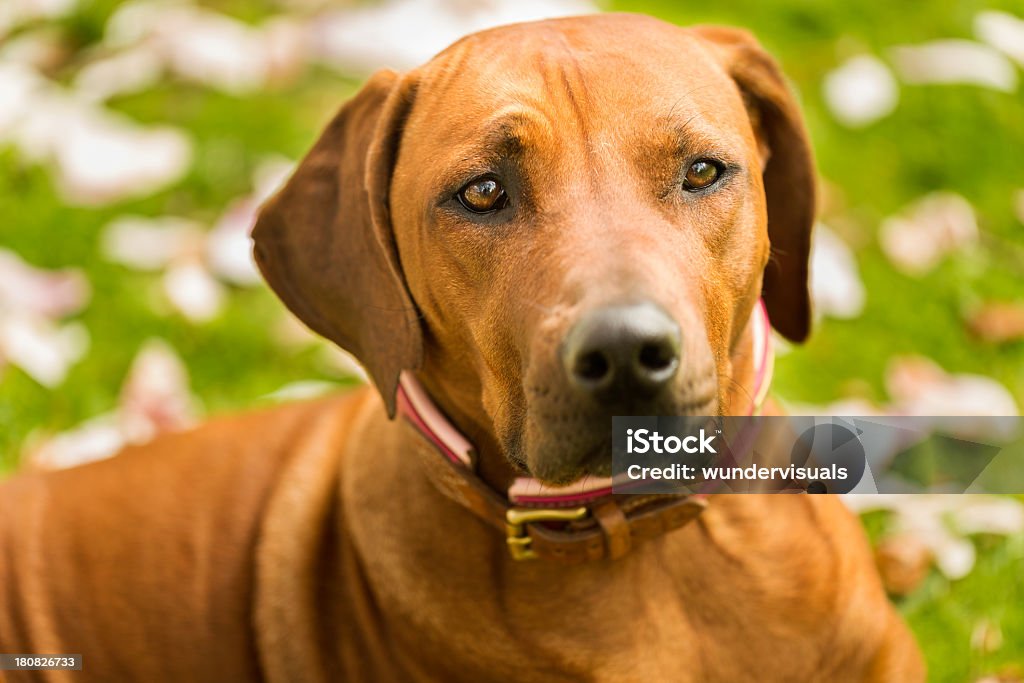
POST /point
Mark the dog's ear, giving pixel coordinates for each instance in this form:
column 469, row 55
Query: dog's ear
column 788, row 174
column 325, row 244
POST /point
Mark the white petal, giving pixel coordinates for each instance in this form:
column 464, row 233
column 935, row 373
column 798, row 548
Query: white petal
column 14, row 13
column 99, row 156
column 836, row 286
column 32, row 291
column 215, row 50
column 136, row 20
column 150, row 243
column 44, row 351
column 155, row 397
column 103, row 158
column 229, row 248
column 193, row 291
column 43, row 48
column 130, row 71
column 953, row 556
column 1002, row 31
column 989, row 515
column 955, row 61
column 917, row 239
column 861, row 91
column 302, row 390
column 919, row 387
column 93, row 440
column 286, row 48
column 21, row 89
column 405, row 33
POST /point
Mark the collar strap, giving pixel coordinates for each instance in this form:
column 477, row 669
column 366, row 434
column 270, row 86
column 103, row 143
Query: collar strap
column 575, row 523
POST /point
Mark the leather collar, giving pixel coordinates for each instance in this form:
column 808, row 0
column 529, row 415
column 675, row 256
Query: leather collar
column 575, row 523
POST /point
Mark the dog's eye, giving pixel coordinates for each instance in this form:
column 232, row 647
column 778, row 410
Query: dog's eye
column 701, row 174
column 483, row 195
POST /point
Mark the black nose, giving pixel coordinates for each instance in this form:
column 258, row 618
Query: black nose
column 623, row 352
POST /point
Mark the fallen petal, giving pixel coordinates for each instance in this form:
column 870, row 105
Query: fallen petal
column 25, row 289
column 43, row 350
column 151, row 243
column 405, row 33
column 1002, row 31
column 989, row 515
column 130, row 71
column 93, row 440
column 103, row 158
column 955, row 62
column 302, row 391
column 155, row 397
column 926, row 231
column 193, row 291
column 836, row 287
column 920, row 387
column 229, row 247
column 20, row 88
column 861, row 91
column 214, row 49
column 14, row 13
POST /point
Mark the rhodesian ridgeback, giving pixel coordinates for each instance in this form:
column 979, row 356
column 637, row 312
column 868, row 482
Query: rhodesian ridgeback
column 546, row 225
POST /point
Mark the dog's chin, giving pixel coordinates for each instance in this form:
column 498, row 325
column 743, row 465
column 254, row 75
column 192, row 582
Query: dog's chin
column 549, row 467
column 562, row 448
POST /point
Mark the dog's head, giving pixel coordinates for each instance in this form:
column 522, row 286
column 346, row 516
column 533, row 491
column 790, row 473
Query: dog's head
column 555, row 223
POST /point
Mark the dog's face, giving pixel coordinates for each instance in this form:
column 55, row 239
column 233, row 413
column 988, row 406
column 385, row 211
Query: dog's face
column 564, row 221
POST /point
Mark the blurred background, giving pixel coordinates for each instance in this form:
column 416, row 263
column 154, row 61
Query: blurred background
column 137, row 140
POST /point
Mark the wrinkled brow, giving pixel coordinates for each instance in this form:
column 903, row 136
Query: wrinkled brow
column 513, row 130
column 681, row 133
column 505, row 137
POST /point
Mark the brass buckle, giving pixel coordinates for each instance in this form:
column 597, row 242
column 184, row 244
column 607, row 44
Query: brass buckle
column 516, row 519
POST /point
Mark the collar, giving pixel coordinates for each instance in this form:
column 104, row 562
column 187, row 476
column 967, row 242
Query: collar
column 581, row 521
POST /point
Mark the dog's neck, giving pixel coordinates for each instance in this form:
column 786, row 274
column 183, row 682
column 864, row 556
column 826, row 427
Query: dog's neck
column 466, row 435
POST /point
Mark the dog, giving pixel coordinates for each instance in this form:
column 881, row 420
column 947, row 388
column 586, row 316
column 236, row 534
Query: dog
column 546, row 225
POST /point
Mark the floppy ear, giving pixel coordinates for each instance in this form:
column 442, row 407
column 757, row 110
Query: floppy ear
column 788, row 175
column 325, row 244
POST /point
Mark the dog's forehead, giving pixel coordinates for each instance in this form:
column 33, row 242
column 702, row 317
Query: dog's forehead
column 626, row 69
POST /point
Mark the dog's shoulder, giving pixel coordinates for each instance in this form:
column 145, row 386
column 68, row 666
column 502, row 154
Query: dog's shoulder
column 157, row 542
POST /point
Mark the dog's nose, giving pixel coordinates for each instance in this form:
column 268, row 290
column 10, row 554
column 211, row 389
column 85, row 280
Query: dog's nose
column 623, row 352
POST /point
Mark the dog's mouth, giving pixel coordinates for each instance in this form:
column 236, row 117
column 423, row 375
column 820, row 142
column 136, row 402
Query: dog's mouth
column 561, row 447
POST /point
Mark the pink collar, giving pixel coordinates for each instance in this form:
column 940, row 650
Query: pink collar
column 416, row 406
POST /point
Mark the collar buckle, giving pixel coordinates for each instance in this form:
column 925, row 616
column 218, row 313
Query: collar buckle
column 517, row 536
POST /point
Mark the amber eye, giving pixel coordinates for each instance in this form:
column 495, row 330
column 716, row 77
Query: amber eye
column 702, row 173
column 483, row 195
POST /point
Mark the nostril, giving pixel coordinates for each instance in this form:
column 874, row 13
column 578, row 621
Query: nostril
column 656, row 356
column 592, row 366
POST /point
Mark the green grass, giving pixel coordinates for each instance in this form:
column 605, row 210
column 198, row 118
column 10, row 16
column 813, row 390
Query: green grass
column 961, row 139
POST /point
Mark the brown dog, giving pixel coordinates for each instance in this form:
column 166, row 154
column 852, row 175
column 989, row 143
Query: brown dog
column 548, row 224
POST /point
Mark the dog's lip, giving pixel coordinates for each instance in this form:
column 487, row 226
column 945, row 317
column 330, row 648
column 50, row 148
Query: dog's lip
column 596, row 460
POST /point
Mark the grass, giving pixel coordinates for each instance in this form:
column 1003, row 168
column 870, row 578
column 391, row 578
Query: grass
column 956, row 138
